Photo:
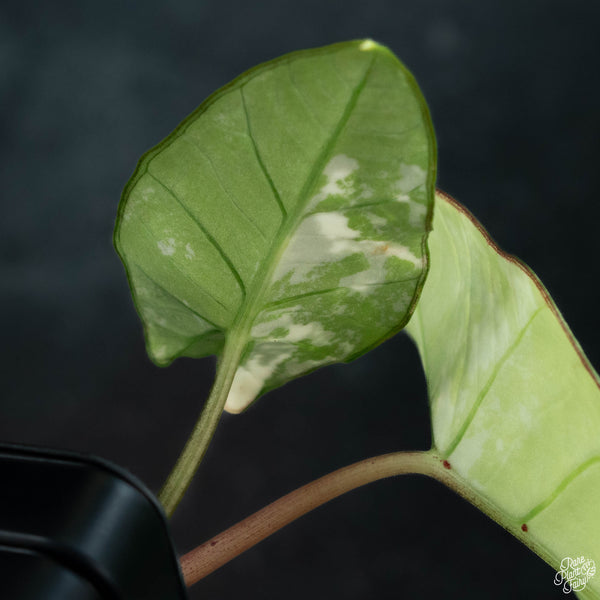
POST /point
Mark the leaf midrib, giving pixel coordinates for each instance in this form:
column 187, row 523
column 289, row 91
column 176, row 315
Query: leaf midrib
column 253, row 302
column 490, row 382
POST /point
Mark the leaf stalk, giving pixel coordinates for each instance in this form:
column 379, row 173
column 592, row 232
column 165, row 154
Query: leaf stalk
column 187, row 464
column 232, row 542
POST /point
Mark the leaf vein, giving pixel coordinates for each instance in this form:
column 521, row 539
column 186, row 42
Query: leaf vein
column 289, row 299
column 301, row 96
column 219, row 180
column 488, row 384
column 172, row 295
column 560, row 488
column 259, row 159
column 319, row 163
column 208, row 236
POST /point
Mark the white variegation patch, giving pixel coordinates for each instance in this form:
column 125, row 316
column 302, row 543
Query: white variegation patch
column 402, row 300
column 411, row 178
column 296, row 332
column 321, row 238
column 167, row 246
column 416, row 211
column 251, row 377
column 161, row 352
column 377, row 254
column 377, row 221
column 334, row 226
column 295, row 367
column 324, row 238
column 138, row 201
column 189, row 252
column 337, row 172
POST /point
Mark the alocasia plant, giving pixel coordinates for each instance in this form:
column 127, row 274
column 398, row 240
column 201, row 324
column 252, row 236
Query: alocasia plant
column 283, row 226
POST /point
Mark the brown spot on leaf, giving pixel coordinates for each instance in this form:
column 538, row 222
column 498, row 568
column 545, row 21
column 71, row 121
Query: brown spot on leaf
column 381, row 248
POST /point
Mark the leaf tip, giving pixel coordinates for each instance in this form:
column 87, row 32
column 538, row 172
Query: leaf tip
column 368, row 45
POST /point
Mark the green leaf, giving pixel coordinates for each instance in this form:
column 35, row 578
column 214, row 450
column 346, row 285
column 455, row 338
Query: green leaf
column 284, row 220
column 515, row 404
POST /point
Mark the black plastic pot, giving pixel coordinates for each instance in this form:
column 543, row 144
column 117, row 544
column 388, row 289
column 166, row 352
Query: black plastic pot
column 79, row 528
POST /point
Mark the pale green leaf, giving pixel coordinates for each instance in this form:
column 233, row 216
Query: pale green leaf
column 515, row 404
column 287, row 216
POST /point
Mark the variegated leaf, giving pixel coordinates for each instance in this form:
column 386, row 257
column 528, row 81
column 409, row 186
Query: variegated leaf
column 288, row 215
column 515, row 404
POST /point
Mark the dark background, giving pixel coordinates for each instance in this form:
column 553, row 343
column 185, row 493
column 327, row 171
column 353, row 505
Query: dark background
column 87, row 87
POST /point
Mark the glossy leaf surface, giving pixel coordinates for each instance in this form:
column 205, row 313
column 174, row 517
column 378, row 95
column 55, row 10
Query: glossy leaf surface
column 515, row 404
column 288, row 214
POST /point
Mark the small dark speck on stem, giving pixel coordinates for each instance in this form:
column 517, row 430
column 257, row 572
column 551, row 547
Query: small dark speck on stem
column 446, row 464
column 213, row 543
column 524, row 527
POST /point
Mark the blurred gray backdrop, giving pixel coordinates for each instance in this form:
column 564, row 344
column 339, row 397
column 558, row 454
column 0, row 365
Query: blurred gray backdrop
column 87, row 87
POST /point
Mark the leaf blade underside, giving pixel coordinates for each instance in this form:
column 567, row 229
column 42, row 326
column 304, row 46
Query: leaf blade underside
column 515, row 404
column 290, row 212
